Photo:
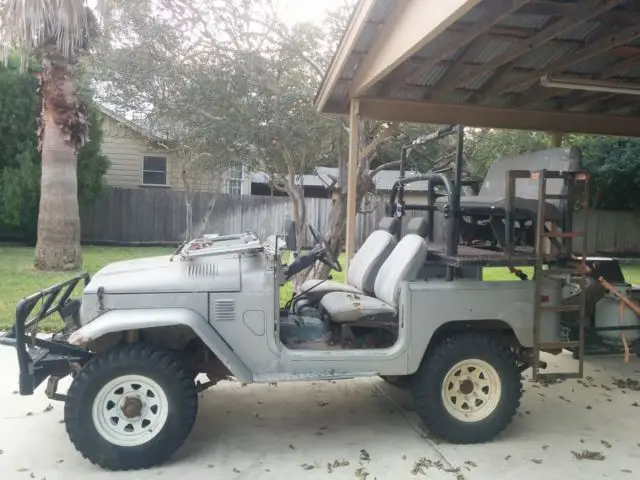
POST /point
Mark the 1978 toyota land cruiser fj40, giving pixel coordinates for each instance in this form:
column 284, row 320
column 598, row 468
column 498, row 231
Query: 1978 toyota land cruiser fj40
column 411, row 310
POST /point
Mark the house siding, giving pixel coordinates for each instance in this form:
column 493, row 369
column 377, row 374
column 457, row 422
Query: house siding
column 126, row 148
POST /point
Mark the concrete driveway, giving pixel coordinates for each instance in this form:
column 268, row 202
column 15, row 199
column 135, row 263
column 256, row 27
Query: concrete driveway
column 360, row 427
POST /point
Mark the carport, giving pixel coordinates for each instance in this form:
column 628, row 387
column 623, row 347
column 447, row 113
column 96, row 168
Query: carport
column 561, row 66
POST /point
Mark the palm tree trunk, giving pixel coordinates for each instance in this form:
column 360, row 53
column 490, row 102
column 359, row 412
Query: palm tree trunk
column 58, row 246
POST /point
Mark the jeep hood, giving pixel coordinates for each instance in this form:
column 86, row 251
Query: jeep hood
column 161, row 275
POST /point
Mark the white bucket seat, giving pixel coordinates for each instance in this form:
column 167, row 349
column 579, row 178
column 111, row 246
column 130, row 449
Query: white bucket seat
column 402, row 265
column 363, row 268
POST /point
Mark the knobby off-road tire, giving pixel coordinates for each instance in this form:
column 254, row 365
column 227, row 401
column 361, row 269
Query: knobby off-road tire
column 131, row 407
column 468, row 388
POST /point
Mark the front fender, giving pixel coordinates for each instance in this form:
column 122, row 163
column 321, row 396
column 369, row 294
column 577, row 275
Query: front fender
column 138, row 319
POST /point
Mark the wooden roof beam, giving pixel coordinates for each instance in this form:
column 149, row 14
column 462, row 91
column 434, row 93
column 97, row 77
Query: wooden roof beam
column 496, row 12
column 611, row 39
column 490, row 117
column 547, row 7
column 588, row 10
column 357, row 23
column 411, row 25
column 538, row 92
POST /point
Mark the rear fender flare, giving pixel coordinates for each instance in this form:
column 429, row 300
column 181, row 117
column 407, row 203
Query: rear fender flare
column 114, row 321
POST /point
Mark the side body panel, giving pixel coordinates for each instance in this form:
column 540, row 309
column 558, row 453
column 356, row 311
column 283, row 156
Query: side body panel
column 433, row 304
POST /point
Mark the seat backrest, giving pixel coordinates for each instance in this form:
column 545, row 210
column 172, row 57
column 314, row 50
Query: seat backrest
column 367, row 261
column 558, row 159
column 402, row 265
column 417, row 225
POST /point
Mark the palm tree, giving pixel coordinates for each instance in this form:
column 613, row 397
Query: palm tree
column 58, row 34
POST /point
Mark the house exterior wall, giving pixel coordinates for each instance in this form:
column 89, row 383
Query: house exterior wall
column 126, row 149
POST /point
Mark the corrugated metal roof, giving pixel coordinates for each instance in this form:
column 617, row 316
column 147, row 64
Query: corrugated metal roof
column 525, row 20
column 594, row 65
column 544, row 55
column 477, row 83
column 493, row 48
column 484, row 49
column 430, row 76
column 582, row 32
column 441, row 42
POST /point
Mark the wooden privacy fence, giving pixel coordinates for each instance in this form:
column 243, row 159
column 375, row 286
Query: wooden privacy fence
column 158, row 216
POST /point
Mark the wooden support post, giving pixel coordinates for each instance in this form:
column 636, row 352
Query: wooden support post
column 556, row 140
column 352, row 178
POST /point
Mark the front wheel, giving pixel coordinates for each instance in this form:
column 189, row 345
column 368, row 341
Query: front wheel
column 130, row 408
column 468, row 388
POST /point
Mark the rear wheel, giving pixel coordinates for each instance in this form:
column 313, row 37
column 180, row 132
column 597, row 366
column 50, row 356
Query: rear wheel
column 131, row 408
column 468, row 388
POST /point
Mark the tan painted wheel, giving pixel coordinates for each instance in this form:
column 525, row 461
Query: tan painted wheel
column 471, row 390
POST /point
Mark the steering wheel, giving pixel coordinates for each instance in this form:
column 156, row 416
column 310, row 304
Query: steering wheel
column 325, row 256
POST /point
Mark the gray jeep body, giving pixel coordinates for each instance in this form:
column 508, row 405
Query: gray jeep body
column 230, row 300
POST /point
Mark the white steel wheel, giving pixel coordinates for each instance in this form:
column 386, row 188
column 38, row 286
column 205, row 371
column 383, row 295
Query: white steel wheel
column 130, row 410
column 471, row 390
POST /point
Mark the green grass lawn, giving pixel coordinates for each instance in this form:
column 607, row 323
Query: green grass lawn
column 18, row 278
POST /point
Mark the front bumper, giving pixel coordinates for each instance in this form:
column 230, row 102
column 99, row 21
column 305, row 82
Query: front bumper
column 38, row 358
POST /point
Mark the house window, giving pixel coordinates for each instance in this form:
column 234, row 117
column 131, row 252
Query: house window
column 154, row 171
column 235, row 181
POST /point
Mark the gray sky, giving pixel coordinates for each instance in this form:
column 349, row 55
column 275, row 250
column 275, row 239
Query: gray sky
column 292, row 11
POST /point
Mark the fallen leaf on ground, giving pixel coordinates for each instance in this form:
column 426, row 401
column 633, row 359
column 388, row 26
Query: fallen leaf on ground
column 21, row 469
column 420, row 466
column 507, row 457
column 292, row 447
column 588, row 407
column 323, row 404
column 210, row 466
column 587, row 455
column 404, row 457
column 361, row 473
column 470, row 463
column 537, row 461
column 544, row 447
column 29, row 414
column 626, row 470
column 48, row 409
column 337, row 464
column 306, row 466
column 628, row 383
column 605, row 443
column 364, row 455
column 635, row 404
column 235, row 470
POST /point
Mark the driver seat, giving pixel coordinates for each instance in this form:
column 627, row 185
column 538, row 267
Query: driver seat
column 402, row 265
column 363, row 269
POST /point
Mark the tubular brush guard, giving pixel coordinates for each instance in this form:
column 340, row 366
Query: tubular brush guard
column 39, row 359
